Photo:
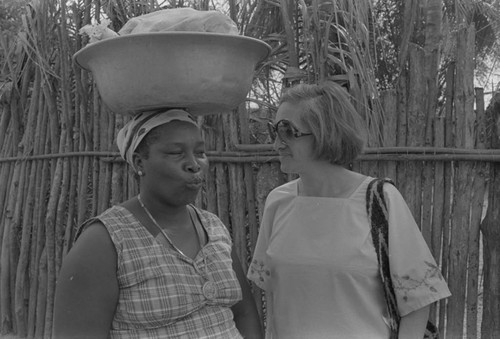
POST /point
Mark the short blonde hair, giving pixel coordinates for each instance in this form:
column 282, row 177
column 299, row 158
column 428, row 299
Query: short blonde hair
column 338, row 129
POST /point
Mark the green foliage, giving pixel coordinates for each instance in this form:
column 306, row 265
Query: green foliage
column 10, row 15
column 486, row 18
column 390, row 24
column 11, row 12
column 389, row 28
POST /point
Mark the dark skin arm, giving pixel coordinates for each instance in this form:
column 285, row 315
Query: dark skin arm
column 245, row 312
column 87, row 287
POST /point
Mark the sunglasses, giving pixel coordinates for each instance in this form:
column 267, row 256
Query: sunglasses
column 285, row 130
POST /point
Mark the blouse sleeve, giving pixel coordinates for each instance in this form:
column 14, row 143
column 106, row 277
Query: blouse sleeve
column 259, row 271
column 416, row 277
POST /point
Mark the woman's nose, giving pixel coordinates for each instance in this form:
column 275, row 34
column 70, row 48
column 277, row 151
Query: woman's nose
column 192, row 165
column 278, row 144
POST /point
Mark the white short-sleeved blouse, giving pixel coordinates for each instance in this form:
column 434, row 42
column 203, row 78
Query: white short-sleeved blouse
column 316, row 261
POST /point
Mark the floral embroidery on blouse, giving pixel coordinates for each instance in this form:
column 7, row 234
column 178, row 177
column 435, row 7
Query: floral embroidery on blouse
column 258, row 268
column 406, row 284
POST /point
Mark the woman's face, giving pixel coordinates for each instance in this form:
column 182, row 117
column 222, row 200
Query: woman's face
column 296, row 154
column 176, row 164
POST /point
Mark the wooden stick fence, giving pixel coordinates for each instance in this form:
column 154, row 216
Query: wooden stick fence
column 59, row 166
column 372, row 154
column 28, row 290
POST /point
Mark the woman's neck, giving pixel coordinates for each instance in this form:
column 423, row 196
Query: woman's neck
column 326, row 180
column 165, row 214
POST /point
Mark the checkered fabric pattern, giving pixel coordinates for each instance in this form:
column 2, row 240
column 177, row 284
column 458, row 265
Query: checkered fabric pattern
column 161, row 293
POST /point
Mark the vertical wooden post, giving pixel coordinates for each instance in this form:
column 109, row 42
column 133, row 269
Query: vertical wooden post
column 490, row 327
column 460, row 221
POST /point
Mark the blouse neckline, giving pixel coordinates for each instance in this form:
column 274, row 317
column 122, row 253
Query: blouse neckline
column 354, row 192
column 200, row 221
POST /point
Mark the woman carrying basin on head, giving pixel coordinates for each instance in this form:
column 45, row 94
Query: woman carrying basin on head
column 315, row 257
column 156, row 266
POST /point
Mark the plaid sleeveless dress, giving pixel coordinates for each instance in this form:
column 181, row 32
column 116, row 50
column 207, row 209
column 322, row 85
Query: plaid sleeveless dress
column 164, row 294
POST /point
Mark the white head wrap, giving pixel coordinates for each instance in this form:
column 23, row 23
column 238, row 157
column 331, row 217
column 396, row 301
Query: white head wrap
column 131, row 135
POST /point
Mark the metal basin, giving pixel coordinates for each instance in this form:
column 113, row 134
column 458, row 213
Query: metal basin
column 205, row 73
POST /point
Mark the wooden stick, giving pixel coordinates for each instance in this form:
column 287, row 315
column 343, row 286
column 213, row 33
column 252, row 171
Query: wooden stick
column 261, row 148
column 50, row 233
column 221, row 181
column 42, row 293
column 38, row 246
column 5, row 259
column 388, row 154
column 211, row 175
column 21, row 311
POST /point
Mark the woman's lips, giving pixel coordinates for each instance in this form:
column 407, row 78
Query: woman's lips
column 195, row 183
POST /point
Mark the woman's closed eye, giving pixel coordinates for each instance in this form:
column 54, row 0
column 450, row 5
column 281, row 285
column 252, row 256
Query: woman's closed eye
column 200, row 153
column 181, row 153
column 174, row 152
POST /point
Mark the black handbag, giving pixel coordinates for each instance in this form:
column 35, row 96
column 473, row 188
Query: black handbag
column 377, row 211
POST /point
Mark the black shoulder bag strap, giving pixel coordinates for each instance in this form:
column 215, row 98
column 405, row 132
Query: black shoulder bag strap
column 378, row 215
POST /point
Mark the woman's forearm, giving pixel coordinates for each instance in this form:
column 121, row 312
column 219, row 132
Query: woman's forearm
column 245, row 312
column 412, row 326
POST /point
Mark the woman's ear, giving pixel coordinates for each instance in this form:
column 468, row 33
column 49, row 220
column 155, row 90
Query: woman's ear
column 138, row 164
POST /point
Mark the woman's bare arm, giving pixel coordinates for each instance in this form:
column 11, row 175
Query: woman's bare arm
column 87, row 287
column 245, row 312
column 413, row 325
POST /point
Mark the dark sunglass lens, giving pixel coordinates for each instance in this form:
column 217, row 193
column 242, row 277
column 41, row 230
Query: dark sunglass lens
column 272, row 131
column 285, row 130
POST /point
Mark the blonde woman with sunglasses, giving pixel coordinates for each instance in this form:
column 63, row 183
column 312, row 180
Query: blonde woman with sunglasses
column 314, row 257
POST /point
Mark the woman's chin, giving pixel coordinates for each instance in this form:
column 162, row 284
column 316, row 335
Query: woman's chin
column 187, row 197
column 286, row 167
